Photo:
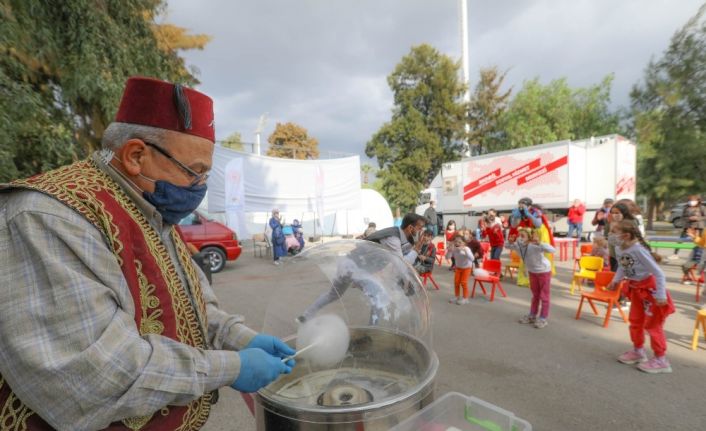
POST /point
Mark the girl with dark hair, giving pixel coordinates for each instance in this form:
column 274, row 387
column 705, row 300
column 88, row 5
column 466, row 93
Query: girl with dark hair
column 651, row 303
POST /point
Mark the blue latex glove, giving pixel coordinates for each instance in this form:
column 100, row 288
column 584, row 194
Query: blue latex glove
column 257, row 370
column 272, row 345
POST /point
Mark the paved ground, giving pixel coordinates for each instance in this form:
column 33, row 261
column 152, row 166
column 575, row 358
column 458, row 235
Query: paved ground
column 563, row 377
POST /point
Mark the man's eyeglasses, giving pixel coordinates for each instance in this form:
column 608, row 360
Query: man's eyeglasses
column 197, row 178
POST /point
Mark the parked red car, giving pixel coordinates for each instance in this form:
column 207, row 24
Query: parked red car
column 215, row 239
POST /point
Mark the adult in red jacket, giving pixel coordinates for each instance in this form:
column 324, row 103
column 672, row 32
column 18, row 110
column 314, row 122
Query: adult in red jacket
column 494, row 232
column 575, row 217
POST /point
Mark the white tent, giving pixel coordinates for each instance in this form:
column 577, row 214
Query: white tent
column 324, row 194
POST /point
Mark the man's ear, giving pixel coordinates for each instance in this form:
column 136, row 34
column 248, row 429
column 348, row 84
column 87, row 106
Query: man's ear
column 132, row 156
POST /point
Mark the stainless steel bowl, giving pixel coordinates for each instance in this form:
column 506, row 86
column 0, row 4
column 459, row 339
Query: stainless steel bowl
column 386, row 377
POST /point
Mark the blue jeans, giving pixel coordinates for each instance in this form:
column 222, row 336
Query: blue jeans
column 495, row 252
column 432, row 227
column 575, row 227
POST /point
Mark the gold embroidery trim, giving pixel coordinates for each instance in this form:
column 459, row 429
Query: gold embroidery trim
column 14, row 414
column 149, row 323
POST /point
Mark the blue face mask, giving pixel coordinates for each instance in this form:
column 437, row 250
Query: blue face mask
column 175, row 202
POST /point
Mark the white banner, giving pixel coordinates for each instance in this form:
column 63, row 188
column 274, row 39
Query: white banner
column 235, row 196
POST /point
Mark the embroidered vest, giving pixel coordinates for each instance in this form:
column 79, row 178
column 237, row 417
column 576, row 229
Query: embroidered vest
column 162, row 305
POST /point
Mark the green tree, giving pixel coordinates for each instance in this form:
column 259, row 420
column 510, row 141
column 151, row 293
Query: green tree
column 291, row 141
column 539, row 114
column 62, row 70
column 669, row 118
column 427, row 125
column 486, row 108
column 234, row 142
column 366, row 169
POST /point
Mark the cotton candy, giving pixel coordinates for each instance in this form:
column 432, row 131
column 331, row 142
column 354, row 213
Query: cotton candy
column 329, row 336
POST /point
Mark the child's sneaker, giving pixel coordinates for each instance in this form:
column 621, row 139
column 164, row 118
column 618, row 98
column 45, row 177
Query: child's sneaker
column 656, row 365
column 632, row 357
column 462, row 301
column 540, row 323
column 454, row 300
column 527, row 320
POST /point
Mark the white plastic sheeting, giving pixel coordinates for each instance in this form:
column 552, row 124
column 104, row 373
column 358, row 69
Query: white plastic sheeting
column 247, row 187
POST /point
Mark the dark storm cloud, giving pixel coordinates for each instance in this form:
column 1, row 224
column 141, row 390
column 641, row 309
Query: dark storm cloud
column 323, row 64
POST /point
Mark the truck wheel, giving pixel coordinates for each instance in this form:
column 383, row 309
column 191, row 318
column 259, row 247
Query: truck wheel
column 217, row 257
column 678, row 223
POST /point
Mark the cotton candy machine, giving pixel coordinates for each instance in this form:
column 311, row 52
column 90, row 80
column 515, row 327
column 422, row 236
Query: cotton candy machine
column 388, row 370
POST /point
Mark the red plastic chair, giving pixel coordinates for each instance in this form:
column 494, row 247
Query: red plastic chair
column 601, row 294
column 485, row 246
column 494, row 268
column 427, row 276
column 585, row 251
column 440, row 251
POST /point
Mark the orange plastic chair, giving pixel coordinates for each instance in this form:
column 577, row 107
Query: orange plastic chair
column 427, row 276
column 514, row 265
column 440, row 251
column 494, row 268
column 586, row 250
column 601, row 294
column 590, row 265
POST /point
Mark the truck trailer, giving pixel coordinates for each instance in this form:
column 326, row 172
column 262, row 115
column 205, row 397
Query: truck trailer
column 553, row 175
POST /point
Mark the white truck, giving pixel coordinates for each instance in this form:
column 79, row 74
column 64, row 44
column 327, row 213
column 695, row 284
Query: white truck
column 553, row 175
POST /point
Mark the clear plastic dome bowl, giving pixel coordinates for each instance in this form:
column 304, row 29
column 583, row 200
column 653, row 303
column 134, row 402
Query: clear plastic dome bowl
column 385, row 307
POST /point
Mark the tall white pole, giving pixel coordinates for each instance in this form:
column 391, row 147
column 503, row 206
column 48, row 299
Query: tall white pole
column 258, row 131
column 463, row 18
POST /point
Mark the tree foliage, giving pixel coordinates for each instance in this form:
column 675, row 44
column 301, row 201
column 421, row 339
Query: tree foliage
column 62, row 70
column 291, row 141
column 427, row 125
column 669, row 117
column 545, row 113
column 234, row 142
column 486, row 108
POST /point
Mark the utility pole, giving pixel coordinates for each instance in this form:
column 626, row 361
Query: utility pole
column 258, row 131
column 463, row 18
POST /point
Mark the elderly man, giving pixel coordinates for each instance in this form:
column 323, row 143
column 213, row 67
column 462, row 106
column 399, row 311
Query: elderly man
column 104, row 320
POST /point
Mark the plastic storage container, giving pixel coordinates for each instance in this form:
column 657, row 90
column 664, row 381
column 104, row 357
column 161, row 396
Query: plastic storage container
column 458, row 412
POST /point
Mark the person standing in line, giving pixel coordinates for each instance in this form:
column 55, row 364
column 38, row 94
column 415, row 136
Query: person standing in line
column 575, row 218
column 431, row 216
column 693, row 216
column 494, row 232
column 463, row 256
column 427, row 254
column 449, row 235
column 279, row 242
column 532, row 252
column 650, row 301
column 601, row 217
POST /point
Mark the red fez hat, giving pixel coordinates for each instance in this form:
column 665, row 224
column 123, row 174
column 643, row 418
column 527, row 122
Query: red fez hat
column 151, row 102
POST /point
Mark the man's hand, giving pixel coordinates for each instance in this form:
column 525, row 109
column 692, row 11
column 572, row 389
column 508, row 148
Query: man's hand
column 661, row 301
column 272, row 345
column 257, row 370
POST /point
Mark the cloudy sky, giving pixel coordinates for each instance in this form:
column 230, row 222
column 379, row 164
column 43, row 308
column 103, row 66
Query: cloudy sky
column 323, row 63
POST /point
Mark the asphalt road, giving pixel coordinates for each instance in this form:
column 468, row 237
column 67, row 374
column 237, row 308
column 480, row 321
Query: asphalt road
column 562, row 377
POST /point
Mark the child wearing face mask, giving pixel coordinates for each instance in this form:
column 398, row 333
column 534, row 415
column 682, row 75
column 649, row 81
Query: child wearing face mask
column 532, row 252
column 651, row 303
column 618, row 213
column 463, row 256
